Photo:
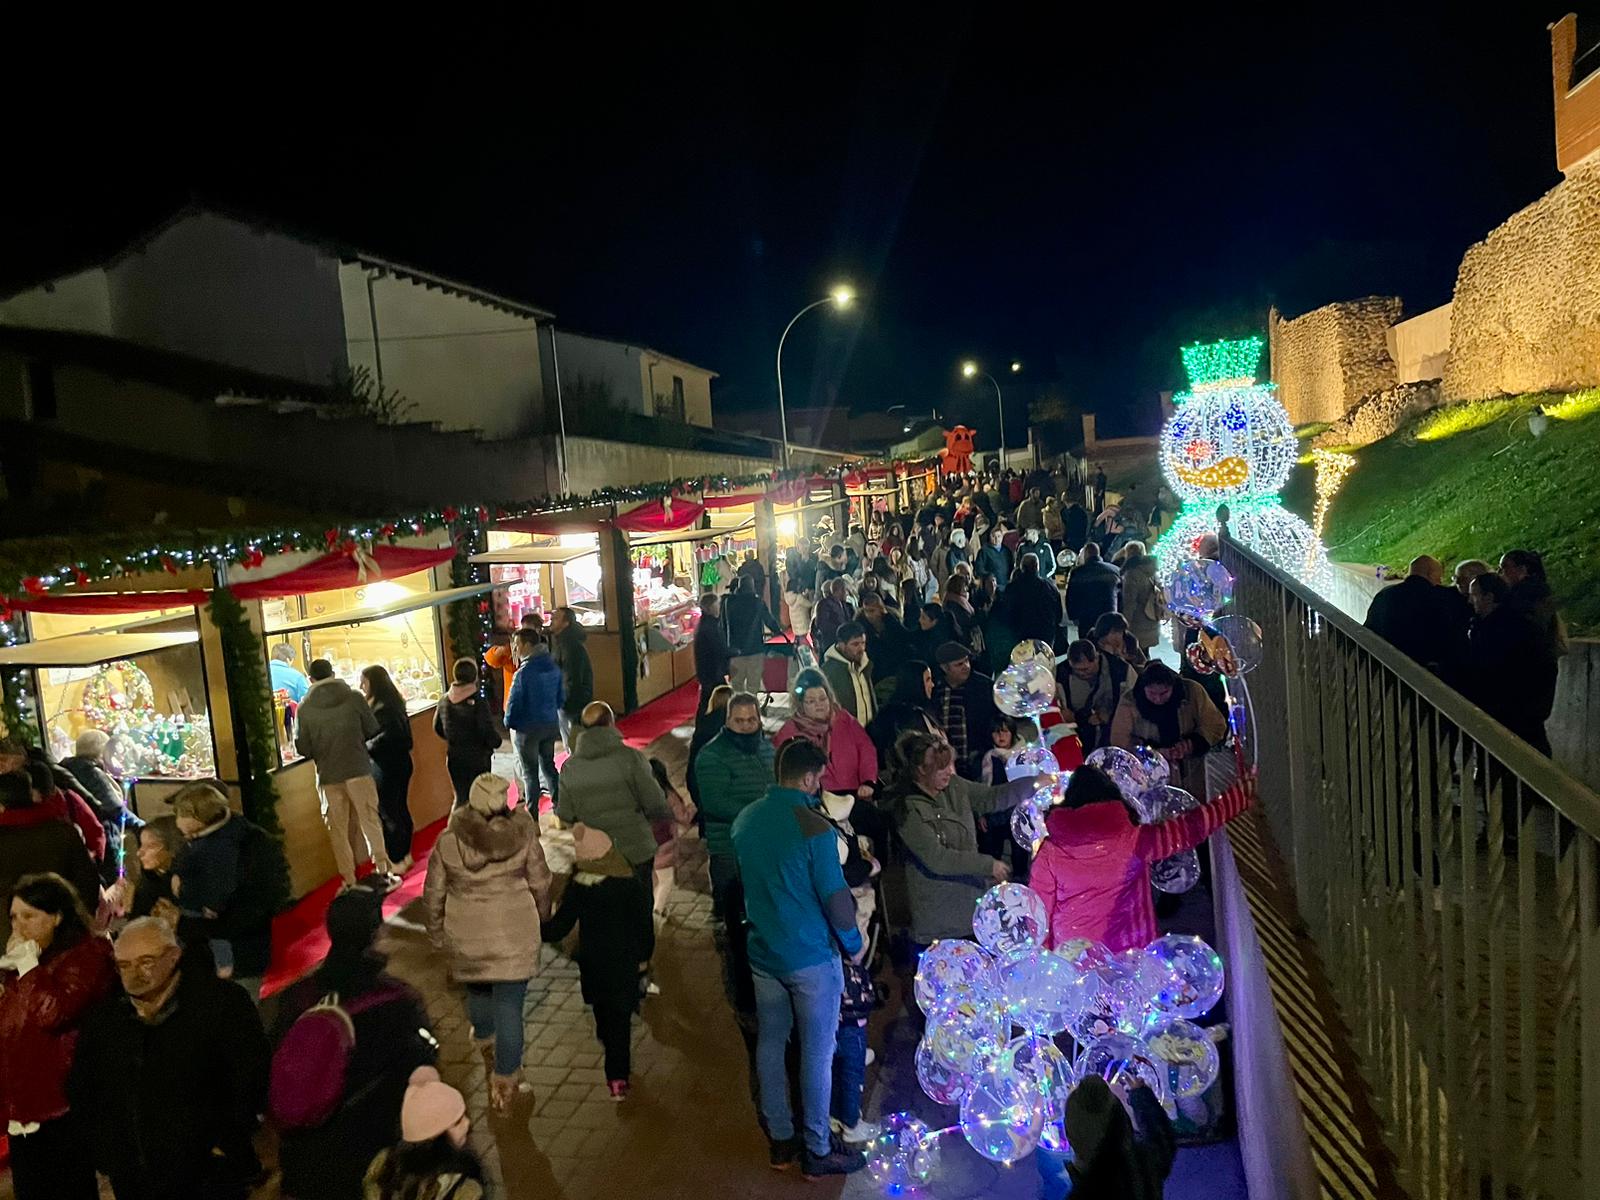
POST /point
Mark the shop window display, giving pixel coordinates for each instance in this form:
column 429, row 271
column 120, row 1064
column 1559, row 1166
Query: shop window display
column 153, row 710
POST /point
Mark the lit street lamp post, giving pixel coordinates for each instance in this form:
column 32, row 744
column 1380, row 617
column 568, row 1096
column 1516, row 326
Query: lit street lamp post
column 840, row 297
column 970, row 370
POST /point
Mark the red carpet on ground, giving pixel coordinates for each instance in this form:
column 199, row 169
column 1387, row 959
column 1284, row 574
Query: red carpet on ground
column 299, row 936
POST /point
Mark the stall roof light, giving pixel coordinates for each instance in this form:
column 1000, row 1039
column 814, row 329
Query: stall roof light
column 410, row 603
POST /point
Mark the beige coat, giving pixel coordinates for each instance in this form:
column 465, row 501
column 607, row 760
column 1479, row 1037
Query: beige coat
column 1199, row 721
column 488, row 887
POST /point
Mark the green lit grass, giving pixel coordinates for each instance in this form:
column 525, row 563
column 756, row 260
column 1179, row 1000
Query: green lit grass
column 1476, row 493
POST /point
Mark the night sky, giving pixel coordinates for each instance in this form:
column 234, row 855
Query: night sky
column 1081, row 192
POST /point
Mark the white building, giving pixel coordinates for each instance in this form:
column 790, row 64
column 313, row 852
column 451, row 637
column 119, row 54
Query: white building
column 248, row 295
column 634, row 379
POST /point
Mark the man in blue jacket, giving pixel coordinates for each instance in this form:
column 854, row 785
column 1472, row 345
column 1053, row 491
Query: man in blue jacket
column 533, row 714
column 800, row 914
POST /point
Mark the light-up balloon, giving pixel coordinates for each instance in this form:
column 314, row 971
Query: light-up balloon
column 1027, row 824
column 999, row 1117
column 1010, row 916
column 1025, row 689
column 1198, row 587
column 1179, row 872
column 1041, row 990
column 1133, row 774
column 902, row 1155
column 970, row 1036
column 1042, row 1070
column 953, row 971
column 1121, row 996
column 1032, row 760
column 1118, row 1056
column 1190, row 1056
column 1244, row 640
column 1034, row 650
column 942, row 1083
column 1187, row 975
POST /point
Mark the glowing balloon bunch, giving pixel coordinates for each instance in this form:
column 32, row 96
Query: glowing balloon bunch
column 993, row 1008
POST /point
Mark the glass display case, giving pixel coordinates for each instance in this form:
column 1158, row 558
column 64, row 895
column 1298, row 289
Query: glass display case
column 140, row 680
column 542, row 577
column 381, row 629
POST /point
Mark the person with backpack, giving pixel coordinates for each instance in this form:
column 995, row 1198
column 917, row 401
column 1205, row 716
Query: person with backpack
column 615, row 937
column 465, row 723
column 432, row 1160
column 348, row 1038
column 488, row 888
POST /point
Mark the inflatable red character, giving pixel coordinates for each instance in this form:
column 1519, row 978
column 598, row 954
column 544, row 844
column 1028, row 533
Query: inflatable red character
column 958, row 445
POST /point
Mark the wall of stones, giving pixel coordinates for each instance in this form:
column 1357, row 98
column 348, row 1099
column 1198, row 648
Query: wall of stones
column 1328, row 359
column 1379, row 415
column 1526, row 313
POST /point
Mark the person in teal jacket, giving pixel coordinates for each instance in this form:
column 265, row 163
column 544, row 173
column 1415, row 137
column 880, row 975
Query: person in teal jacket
column 801, row 916
column 732, row 772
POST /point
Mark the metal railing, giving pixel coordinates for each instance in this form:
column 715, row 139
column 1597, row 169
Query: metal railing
column 1448, row 875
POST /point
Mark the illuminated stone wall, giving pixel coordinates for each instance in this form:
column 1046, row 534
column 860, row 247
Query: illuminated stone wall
column 1526, row 314
column 1325, row 361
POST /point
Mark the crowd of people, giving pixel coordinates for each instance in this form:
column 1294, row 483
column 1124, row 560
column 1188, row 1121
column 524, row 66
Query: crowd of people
column 1495, row 635
column 869, row 815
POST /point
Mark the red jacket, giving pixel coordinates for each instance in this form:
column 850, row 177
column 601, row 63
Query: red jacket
column 77, row 810
column 1093, row 868
column 40, row 1014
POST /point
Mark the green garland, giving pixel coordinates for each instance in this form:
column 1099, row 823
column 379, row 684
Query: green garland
column 250, row 697
column 468, row 622
column 14, row 722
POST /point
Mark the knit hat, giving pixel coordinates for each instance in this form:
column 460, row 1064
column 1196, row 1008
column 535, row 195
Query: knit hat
column 594, row 853
column 488, row 794
column 430, row 1108
column 952, row 652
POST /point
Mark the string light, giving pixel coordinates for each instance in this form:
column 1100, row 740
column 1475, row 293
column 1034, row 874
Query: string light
column 1332, row 466
column 1224, row 364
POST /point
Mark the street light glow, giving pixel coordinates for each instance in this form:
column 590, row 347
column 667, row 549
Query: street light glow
column 969, row 369
column 1015, row 367
column 843, row 295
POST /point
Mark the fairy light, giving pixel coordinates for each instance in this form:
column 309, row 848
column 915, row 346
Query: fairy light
column 1214, row 366
column 1331, row 466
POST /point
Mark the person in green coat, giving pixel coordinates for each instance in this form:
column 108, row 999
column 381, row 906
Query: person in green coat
column 934, row 809
column 733, row 771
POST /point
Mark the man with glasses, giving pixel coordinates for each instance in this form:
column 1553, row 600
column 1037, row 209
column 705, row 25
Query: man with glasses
column 181, row 1058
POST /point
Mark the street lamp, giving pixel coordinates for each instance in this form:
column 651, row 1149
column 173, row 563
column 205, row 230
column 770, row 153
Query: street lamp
column 970, row 370
column 841, row 296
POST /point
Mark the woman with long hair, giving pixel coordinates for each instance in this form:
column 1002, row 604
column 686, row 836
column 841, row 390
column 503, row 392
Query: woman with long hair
column 1175, row 718
column 488, row 888
column 391, row 763
column 432, row 1160
column 53, row 971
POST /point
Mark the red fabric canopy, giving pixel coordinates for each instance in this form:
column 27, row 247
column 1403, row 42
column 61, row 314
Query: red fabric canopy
column 341, row 569
column 731, row 501
column 103, row 603
column 654, row 517
column 795, row 490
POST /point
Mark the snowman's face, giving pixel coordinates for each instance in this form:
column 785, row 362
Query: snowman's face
column 1234, row 442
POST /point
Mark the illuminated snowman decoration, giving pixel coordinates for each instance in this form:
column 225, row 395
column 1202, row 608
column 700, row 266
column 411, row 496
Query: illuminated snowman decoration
column 1230, row 442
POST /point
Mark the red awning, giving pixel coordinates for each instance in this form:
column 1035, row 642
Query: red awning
column 103, row 603
column 654, row 516
column 344, row 569
column 795, row 490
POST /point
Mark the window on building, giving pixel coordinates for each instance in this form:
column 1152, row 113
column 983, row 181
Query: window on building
column 1586, row 55
column 41, row 391
column 678, row 412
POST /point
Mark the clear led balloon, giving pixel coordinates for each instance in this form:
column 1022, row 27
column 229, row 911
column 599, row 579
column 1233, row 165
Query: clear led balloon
column 942, row 1082
column 1244, row 640
column 1032, row 760
column 1190, row 1056
column 1027, row 824
column 1010, row 916
column 903, row 1155
column 1120, row 996
column 999, row 1117
column 953, row 971
column 1180, row 872
column 1042, row 1070
column 1025, row 689
column 1084, row 953
column 1042, row 990
column 1186, row 975
column 1198, row 587
column 969, row 1036
column 1034, row 650
column 1117, row 1056
column 1132, row 773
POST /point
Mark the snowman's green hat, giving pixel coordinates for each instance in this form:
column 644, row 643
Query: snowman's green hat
column 1214, row 364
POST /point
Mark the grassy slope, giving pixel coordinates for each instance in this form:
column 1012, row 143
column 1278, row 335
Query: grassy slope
column 1456, row 498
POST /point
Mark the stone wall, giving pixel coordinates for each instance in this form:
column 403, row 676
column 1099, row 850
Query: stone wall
column 1526, row 313
column 1328, row 359
column 1379, row 415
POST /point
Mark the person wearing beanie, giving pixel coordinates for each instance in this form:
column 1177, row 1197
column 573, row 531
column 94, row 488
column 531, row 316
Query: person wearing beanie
column 392, row 1040
column 431, row 1161
column 615, row 935
column 1113, row 1156
column 488, row 887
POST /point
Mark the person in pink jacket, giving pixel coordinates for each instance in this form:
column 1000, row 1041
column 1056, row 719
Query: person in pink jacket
column 1093, row 868
column 821, row 720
